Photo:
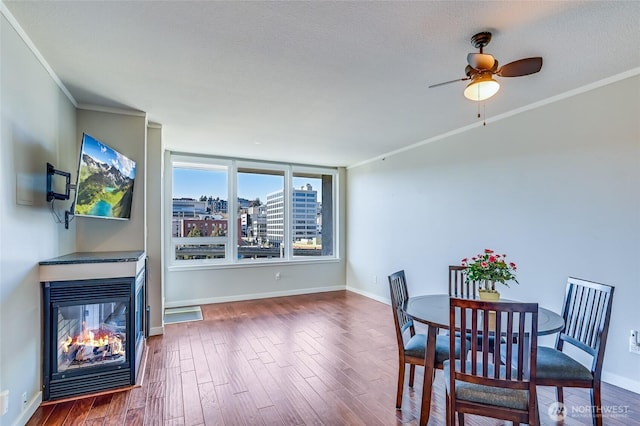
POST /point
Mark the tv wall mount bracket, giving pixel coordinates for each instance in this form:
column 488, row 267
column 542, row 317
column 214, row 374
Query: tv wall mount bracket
column 52, row 195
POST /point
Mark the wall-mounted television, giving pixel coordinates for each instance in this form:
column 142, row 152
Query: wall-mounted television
column 104, row 187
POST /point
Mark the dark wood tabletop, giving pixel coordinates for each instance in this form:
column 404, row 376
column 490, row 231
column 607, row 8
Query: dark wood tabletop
column 433, row 309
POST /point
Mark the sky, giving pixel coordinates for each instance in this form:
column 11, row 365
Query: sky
column 193, row 183
column 105, row 154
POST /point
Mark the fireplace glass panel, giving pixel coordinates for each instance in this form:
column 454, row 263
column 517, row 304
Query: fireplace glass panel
column 91, row 335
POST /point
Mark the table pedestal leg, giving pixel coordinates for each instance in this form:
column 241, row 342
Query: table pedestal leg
column 429, row 362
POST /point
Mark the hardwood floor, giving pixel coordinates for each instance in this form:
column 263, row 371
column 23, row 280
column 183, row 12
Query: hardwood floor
column 328, row 358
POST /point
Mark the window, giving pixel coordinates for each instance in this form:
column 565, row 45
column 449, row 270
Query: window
column 236, row 211
column 313, row 213
column 199, row 211
column 262, row 229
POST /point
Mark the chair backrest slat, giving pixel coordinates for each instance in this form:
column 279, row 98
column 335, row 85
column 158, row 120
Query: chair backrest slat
column 485, row 342
column 600, row 312
column 496, row 342
column 474, row 344
column 457, row 285
column 509, row 337
column 522, row 359
column 592, row 317
column 586, row 312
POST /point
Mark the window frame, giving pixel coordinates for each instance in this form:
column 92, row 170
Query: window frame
column 231, row 247
column 302, row 170
column 196, row 163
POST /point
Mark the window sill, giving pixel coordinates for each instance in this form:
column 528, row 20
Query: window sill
column 251, row 264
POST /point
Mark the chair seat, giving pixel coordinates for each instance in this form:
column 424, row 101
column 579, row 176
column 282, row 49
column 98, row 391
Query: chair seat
column 553, row 364
column 416, row 347
column 488, row 395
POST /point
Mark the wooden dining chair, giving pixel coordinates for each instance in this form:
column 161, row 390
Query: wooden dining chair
column 412, row 345
column 457, row 286
column 586, row 311
column 478, row 385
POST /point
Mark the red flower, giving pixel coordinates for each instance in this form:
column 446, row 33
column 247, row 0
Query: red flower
column 490, row 266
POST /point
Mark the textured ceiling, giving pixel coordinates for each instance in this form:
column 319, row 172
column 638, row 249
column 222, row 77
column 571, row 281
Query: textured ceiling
column 331, row 83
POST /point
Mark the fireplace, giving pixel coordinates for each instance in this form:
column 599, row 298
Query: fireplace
column 94, row 334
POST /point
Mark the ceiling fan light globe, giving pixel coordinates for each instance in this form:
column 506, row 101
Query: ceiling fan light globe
column 481, row 88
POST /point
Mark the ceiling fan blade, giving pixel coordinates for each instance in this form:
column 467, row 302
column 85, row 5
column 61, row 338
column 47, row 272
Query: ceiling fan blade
column 449, row 82
column 521, row 67
column 481, row 61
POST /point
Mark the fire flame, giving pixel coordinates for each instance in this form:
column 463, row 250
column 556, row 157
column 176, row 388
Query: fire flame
column 97, row 339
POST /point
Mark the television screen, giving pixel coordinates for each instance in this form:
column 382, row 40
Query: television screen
column 105, row 181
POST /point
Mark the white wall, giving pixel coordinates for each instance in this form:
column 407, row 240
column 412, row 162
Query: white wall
column 189, row 287
column 556, row 188
column 37, row 125
column 126, row 133
column 192, row 287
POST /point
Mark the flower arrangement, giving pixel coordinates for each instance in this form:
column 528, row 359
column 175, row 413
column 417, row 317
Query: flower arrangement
column 491, row 268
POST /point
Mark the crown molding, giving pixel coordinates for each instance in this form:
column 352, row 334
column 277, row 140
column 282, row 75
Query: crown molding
column 112, row 110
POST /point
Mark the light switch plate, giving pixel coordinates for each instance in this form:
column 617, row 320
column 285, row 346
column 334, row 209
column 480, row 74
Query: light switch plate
column 24, row 189
column 4, row 402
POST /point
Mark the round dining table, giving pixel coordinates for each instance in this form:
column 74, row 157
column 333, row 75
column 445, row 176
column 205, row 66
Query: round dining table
column 433, row 311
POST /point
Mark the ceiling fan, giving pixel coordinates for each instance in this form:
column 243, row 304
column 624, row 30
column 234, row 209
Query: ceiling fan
column 483, row 66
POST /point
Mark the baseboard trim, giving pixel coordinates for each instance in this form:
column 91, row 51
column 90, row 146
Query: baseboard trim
column 373, row 296
column 32, row 406
column 241, row 297
column 156, row 331
column 621, row 382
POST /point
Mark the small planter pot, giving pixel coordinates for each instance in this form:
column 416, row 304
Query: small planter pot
column 489, row 295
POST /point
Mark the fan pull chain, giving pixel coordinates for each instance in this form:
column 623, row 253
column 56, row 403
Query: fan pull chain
column 484, row 113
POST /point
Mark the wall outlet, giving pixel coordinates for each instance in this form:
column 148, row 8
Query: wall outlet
column 278, row 276
column 24, row 401
column 374, row 279
column 634, row 344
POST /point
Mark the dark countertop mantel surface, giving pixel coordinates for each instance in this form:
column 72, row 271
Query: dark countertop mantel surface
column 95, row 257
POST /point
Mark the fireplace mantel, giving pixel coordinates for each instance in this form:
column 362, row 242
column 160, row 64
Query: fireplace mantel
column 92, row 265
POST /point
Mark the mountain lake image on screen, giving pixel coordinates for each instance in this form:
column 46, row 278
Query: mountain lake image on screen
column 105, row 181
